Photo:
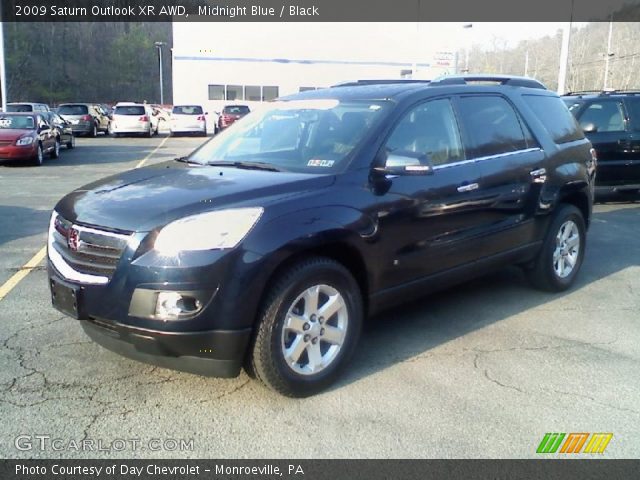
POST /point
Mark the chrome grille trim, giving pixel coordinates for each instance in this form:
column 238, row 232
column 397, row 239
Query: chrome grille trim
column 96, row 257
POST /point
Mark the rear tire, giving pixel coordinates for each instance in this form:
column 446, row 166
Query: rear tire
column 94, row 131
column 560, row 258
column 296, row 350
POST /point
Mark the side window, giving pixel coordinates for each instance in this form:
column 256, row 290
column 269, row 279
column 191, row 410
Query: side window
column 491, row 126
column 428, row 129
column 606, row 116
column 633, row 109
column 553, row 113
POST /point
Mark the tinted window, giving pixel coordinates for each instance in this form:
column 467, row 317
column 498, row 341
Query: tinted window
column 73, row 110
column 236, row 109
column 554, row 115
column 216, row 92
column 573, row 104
column 235, row 92
column 633, row 108
column 20, row 107
column 16, row 121
column 252, row 93
column 428, row 129
column 270, row 93
column 491, row 126
column 188, row 110
column 607, row 116
column 130, row 110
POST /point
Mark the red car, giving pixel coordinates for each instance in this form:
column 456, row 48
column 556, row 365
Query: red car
column 27, row 136
column 230, row 114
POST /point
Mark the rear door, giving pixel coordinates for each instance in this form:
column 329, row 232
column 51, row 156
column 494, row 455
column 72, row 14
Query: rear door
column 604, row 123
column 511, row 166
column 631, row 154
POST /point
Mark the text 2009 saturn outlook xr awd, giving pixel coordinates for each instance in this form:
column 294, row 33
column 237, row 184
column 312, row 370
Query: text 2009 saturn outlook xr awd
column 269, row 245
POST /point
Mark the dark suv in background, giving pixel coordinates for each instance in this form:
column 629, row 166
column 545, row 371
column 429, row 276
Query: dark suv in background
column 85, row 118
column 270, row 245
column 611, row 121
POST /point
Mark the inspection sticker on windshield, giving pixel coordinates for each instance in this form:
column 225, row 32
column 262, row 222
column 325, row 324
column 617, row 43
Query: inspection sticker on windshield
column 320, row 163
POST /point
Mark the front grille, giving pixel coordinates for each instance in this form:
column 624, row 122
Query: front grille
column 96, row 251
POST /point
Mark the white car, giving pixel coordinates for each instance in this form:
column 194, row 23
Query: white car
column 188, row 119
column 132, row 118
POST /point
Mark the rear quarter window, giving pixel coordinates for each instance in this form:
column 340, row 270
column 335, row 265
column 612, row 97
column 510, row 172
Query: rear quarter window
column 556, row 118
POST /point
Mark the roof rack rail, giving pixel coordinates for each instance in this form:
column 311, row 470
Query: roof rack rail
column 603, row 93
column 384, row 81
column 511, row 80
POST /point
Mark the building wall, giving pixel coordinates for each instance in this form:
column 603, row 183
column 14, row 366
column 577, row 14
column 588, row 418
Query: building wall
column 294, row 55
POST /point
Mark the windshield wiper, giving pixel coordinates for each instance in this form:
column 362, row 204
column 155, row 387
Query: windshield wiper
column 246, row 165
column 186, row 160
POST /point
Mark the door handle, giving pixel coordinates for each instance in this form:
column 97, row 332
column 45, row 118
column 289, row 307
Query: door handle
column 468, row 188
column 539, row 175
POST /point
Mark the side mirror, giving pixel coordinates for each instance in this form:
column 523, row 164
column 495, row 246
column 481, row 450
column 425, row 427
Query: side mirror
column 403, row 163
column 43, row 128
column 589, row 128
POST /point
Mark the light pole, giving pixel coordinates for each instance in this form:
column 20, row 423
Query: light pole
column 467, row 27
column 3, row 71
column 159, row 46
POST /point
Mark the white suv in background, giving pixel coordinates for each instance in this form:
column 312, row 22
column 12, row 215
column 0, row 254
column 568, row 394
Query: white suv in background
column 188, row 119
column 132, row 118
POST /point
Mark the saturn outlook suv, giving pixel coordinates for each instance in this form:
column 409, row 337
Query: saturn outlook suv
column 271, row 244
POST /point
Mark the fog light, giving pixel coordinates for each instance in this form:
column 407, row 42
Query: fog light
column 171, row 305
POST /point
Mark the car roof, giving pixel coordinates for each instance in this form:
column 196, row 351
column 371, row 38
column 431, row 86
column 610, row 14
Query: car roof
column 397, row 89
column 131, row 104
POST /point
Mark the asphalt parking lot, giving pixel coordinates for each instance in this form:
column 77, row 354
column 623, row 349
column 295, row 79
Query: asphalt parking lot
column 482, row 370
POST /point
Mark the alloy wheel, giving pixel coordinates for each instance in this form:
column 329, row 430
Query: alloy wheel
column 314, row 329
column 567, row 251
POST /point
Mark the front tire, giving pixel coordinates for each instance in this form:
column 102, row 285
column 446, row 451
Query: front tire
column 39, row 158
column 55, row 153
column 560, row 258
column 308, row 328
column 71, row 143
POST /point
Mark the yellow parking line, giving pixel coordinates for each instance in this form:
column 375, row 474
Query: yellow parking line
column 23, row 272
column 141, row 162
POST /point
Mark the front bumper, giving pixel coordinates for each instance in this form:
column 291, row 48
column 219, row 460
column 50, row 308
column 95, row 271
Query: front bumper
column 215, row 353
column 18, row 153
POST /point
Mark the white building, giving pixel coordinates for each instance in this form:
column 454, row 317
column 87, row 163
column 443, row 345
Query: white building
column 215, row 64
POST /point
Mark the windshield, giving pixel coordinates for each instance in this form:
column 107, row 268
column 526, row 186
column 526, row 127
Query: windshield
column 16, row 121
column 312, row 136
column 573, row 104
column 188, row 110
column 73, row 110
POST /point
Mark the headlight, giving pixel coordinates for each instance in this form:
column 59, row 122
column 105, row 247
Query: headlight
column 207, row 231
column 25, row 141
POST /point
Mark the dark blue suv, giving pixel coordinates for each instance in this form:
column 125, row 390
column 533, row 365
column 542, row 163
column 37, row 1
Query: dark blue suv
column 271, row 244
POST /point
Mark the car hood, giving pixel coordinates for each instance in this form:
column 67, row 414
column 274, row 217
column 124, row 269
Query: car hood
column 148, row 198
column 11, row 134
